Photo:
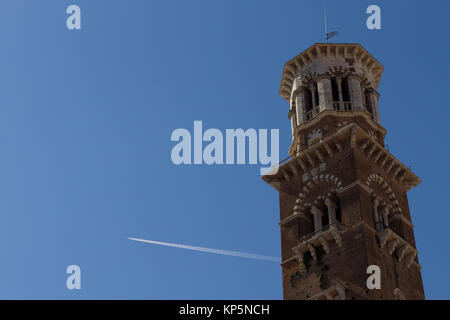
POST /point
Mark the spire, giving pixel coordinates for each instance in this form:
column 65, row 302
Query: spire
column 331, row 34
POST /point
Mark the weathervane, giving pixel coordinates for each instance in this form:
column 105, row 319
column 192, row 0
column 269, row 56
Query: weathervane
column 331, row 34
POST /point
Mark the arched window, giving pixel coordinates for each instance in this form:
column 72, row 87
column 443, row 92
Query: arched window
column 340, row 91
column 345, row 90
column 335, row 90
column 338, row 211
column 316, row 95
column 325, row 217
column 311, row 101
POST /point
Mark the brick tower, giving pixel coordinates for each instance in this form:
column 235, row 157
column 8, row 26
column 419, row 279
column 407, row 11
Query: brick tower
column 343, row 203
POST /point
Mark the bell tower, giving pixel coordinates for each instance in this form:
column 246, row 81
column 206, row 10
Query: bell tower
column 343, row 202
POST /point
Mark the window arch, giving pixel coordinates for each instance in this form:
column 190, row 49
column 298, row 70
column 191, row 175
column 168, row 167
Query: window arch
column 334, row 89
column 345, row 90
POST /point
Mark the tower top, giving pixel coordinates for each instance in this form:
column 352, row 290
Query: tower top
column 341, row 51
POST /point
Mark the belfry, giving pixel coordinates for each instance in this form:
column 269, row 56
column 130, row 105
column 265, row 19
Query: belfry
column 342, row 194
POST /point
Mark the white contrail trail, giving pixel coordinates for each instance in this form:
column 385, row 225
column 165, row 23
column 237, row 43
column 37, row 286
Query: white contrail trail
column 210, row 250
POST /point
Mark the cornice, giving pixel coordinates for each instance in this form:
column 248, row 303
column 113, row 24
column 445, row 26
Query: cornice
column 328, row 50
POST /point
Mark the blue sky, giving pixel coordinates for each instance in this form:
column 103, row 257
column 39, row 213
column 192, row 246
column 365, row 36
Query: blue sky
column 85, row 124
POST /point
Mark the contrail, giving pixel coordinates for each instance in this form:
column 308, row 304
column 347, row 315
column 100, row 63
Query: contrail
column 210, row 250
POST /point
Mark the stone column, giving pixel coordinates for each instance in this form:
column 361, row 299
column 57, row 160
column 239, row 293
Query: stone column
column 339, row 84
column 375, row 214
column 331, row 210
column 292, row 118
column 300, row 104
column 325, row 95
column 356, row 94
column 317, row 218
column 374, row 98
column 386, row 216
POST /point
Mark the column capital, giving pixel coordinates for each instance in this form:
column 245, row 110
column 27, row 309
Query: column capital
column 299, row 90
column 329, row 203
column 376, row 203
column 316, row 211
column 354, row 76
column 331, row 210
column 324, row 76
